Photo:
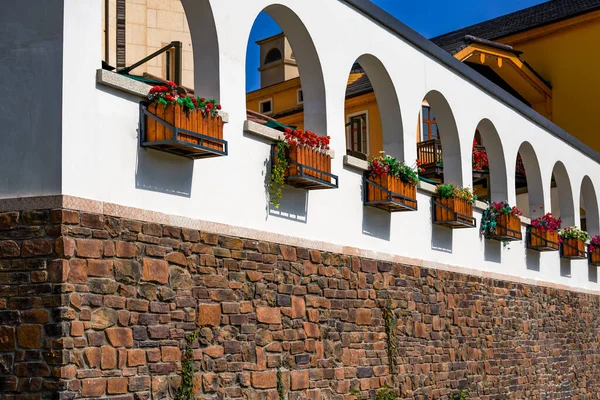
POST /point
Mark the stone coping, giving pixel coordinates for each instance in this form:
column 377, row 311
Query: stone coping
column 270, row 134
column 115, row 210
column 131, row 86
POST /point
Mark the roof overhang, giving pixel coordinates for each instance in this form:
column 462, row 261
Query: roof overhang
column 506, row 63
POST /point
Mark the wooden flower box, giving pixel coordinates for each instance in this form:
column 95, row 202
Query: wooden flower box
column 542, row 240
column 453, row 213
column 573, row 249
column 185, row 133
column 389, row 193
column 594, row 257
column 309, row 168
column 508, row 229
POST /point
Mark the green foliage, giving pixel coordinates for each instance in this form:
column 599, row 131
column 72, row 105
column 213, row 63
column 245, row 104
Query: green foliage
column 396, row 168
column 461, row 395
column 385, row 393
column 574, row 232
column 451, row 191
column 278, row 170
column 185, row 391
column 280, row 388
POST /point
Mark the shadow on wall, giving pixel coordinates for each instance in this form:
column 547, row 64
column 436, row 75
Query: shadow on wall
column 493, row 251
column 164, row 173
column 532, row 260
column 593, row 273
column 376, row 223
column 293, row 204
column 565, row 267
column 441, row 239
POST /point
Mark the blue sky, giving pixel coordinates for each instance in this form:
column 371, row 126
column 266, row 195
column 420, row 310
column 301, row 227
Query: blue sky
column 429, row 18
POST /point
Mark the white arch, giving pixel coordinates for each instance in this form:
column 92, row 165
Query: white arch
column 589, row 202
column 449, row 136
column 564, row 195
column 497, row 164
column 535, row 188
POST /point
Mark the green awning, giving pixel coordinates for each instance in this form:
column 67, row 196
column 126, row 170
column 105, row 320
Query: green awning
column 276, row 125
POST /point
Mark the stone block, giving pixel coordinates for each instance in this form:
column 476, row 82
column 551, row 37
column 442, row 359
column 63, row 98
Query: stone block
column 209, row 315
column 155, row 270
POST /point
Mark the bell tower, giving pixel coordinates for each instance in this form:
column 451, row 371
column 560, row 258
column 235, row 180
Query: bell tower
column 277, row 61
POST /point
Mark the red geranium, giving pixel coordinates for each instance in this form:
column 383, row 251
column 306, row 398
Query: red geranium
column 306, row 138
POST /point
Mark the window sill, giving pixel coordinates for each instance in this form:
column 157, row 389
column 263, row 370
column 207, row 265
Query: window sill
column 270, row 134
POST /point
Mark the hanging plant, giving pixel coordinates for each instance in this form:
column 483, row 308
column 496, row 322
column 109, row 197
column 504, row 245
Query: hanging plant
column 278, row 169
column 489, row 218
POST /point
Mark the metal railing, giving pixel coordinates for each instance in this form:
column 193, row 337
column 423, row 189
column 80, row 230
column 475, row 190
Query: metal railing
column 177, row 63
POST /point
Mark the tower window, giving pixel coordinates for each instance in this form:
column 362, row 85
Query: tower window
column 300, row 96
column 272, row 56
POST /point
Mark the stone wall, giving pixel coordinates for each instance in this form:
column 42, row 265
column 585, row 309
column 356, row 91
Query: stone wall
column 99, row 306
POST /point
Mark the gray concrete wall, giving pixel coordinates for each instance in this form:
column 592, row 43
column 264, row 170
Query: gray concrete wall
column 31, row 59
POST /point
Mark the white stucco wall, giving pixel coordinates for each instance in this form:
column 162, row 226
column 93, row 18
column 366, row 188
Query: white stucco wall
column 102, row 159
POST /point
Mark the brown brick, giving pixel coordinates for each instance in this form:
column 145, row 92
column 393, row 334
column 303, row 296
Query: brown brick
column 268, row 315
column 209, row 315
column 125, row 249
column 92, row 356
column 155, row 270
column 100, row 268
column 29, row 336
column 94, row 221
column 312, row 330
column 300, row 380
column 9, row 220
column 109, row 357
column 152, row 229
column 264, row 380
column 420, row 330
column 120, row 337
column 58, row 271
column 363, row 316
column 93, row 387
column 9, row 248
column 36, row 247
column 117, row 385
column 7, row 338
column 177, row 258
column 68, row 217
column 214, row 351
column 127, row 271
column 77, row 328
column 136, row 357
column 170, row 354
column 231, row 243
column 64, row 247
column 78, row 271
column 298, row 307
column 89, row 248
column 288, row 253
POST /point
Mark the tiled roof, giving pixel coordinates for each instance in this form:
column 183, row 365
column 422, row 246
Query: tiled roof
column 519, row 21
column 360, row 86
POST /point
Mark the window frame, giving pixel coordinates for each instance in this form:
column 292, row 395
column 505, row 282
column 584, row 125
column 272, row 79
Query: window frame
column 260, row 106
column 349, row 130
column 430, row 122
column 298, row 93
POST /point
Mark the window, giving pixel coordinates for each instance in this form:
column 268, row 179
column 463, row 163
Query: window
column 170, row 65
column 272, row 56
column 300, row 96
column 266, row 106
column 358, row 132
column 430, row 128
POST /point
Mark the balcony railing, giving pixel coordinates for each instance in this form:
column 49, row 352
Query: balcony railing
column 429, row 153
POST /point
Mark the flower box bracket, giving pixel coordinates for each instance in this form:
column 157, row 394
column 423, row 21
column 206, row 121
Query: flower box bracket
column 306, row 177
column 573, row 249
column 507, row 229
column 542, row 241
column 195, row 146
column 389, row 200
column 449, row 217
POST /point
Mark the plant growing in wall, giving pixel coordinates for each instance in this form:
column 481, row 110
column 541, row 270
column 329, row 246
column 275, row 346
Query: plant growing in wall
column 185, row 391
column 453, row 206
column 501, row 222
column 173, row 116
column 302, row 160
column 385, row 393
column 573, row 242
column 543, row 233
column 461, row 395
column 391, row 184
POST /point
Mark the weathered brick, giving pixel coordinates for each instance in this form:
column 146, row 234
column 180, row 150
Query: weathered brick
column 36, row 248
column 29, row 336
column 155, row 270
column 264, row 380
column 268, row 315
column 117, row 385
column 300, row 380
column 100, row 268
column 108, row 358
column 9, row 248
column 170, row 354
column 120, row 337
column 9, row 220
column 93, row 387
column 125, row 249
column 89, row 248
column 209, row 315
column 136, row 357
column 7, row 338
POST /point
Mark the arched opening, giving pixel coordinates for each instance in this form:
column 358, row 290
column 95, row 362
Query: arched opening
column 561, row 195
column 589, row 217
column 528, row 182
column 436, row 130
column 285, row 81
column 372, row 111
column 489, row 167
column 205, row 58
column 272, row 56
